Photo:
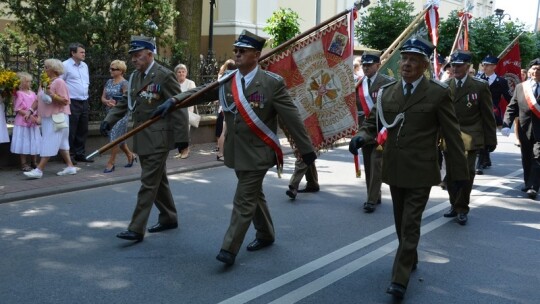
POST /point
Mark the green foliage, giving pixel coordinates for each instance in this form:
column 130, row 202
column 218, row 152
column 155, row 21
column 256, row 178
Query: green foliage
column 447, row 30
column 380, row 25
column 282, row 26
column 98, row 24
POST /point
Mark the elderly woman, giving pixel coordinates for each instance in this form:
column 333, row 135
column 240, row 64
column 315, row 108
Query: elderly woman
column 112, row 92
column 53, row 99
column 185, row 84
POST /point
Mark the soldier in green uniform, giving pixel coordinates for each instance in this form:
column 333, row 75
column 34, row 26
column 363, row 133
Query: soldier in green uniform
column 252, row 100
column 415, row 111
column 150, row 85
column 367, row 89
column 473, row 107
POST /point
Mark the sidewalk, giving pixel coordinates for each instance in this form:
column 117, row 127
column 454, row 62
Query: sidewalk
column 14, row 185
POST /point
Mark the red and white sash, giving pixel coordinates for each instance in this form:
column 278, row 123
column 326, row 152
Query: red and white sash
column 363, row 94
column 256, row 125
column 531, row 100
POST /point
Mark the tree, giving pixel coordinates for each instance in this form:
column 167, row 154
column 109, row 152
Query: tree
column 104, row 25
column 282, row 26
column 380, row 25
column 186, row 47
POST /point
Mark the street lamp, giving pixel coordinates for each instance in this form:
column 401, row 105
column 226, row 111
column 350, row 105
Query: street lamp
column 211, row 31
column 499, row 13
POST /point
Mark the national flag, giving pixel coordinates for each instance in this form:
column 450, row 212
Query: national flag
column 432, row 22
column 318, row 72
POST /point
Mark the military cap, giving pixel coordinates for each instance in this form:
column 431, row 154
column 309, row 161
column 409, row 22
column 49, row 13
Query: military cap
column 419, row 46
column 140, row 43
column 490, row 60
column 460, row 57
column 369, row 57
column 249, row 40
column 535, row 61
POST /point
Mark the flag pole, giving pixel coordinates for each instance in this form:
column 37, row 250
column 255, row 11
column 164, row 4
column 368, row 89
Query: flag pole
column 191, row 100
column 460, row 28
column 507, row 49
column 404, row 34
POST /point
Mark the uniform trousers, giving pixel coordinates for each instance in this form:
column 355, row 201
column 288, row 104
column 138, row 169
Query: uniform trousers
column 301, row 170
column 460, row 198
column 373, row 168
column 154, row 190
column 409, row 204
column 530, row 160
column 249, row 205
column 78, row 126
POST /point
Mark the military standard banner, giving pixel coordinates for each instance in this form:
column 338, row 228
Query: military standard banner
column 318, row 72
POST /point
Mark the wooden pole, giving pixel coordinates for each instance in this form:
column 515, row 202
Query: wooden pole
column 404, row 34
column 188, row 101
column 507, row 49
column 460, row 28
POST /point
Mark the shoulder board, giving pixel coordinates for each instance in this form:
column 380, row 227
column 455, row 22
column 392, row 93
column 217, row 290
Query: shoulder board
column 442, row 84
column 387, row 77
column 273, row 75
column 479, row 79
column 388, row 84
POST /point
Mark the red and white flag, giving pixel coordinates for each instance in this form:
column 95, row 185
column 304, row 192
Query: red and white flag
column 432, row 22
column 509, row 67
column 318, row 72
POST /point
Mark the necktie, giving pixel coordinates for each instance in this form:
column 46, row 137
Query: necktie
column 369, row 83
column 243, row 84
column 408, row 90
column 459, row 84
column 537, row 90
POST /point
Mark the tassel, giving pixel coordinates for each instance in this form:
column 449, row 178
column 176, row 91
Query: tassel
column 379, row 148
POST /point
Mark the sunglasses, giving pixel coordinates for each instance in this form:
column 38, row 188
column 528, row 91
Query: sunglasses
column 114, row 69
column 241, row 51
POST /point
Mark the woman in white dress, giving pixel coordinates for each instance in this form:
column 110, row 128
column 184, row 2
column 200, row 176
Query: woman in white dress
column 53, row 100
column 185, row 84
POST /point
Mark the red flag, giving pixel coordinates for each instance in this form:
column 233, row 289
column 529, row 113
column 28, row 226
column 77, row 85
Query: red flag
column 509, row 67
column 432, row 22
column 318, row 74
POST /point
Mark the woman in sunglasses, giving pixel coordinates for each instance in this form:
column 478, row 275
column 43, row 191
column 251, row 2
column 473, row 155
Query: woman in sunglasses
column 112, row 92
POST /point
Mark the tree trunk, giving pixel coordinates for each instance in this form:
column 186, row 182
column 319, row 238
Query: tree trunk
column 188, row 29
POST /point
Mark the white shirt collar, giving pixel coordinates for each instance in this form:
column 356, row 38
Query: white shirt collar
column 149, row 68
column 249, row 77
column 414, row 84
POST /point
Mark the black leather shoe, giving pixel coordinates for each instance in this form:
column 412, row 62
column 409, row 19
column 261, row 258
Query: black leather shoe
column 292, row 192
column 414, row 266
column 258, row 244
column 130, row 236
column 531, row 193
column 450, row 213
column 524, row 188
column 226, row 257
column 462, row 218
column 479, row 172
column 309, row 189
column 82, row 158
column 397, row 290
column 369, row 207
column 161, row 227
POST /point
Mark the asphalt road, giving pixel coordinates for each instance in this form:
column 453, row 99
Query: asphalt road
column 62, row 248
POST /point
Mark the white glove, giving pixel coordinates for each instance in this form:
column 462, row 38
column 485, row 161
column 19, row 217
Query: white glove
column 505, row 131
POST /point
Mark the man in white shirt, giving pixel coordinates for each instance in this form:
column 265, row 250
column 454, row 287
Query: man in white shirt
column 77, row 80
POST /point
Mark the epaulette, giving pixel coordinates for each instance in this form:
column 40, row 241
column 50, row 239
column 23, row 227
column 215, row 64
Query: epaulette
column 273, row 75
column 442, row 84
column 479, row 79
column 388, row 84
column 387, row 77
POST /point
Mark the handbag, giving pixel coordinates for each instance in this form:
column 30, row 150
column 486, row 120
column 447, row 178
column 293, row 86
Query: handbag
column 59, row 121
column 194, row 118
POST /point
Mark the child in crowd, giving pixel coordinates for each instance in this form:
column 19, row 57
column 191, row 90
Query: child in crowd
column 26, row 135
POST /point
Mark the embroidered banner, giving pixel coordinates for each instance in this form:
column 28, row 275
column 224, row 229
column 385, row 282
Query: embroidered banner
column 318, row 73
column 509, row 68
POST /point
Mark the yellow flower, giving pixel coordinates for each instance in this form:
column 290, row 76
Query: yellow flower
column 44, row 80
column 8, row 80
